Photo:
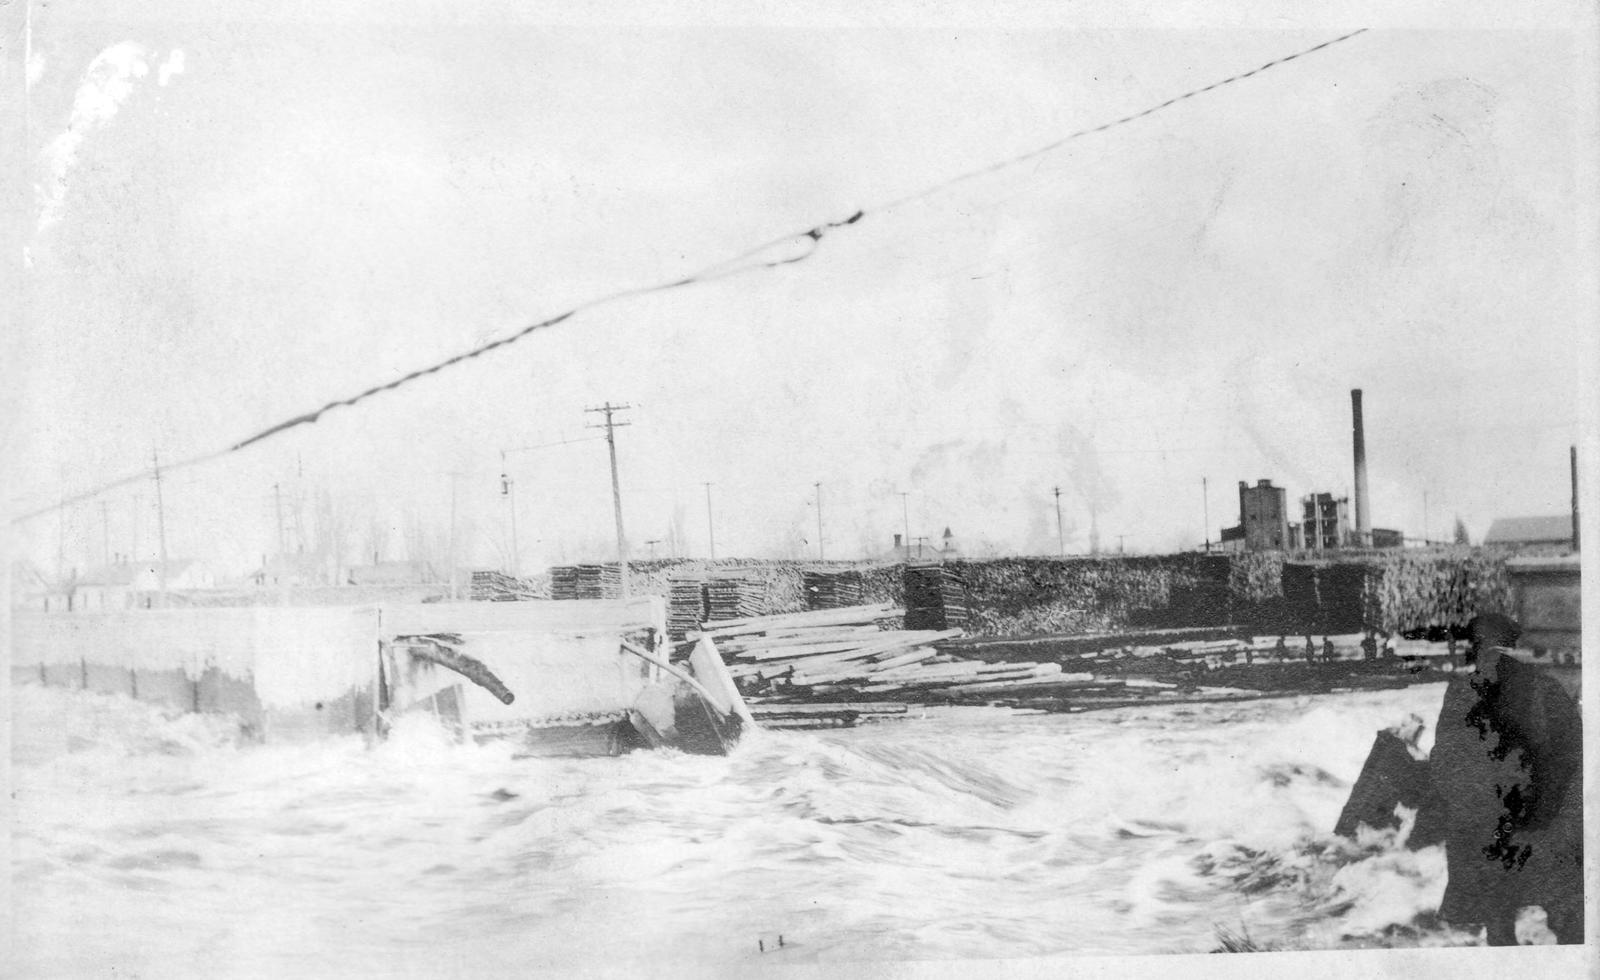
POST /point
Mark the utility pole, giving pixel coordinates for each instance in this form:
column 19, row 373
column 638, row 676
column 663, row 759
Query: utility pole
column 299, row 505
column 1576, row 537
column 508, row 490
column 1205, row 504
column 920, row 539
column 1061, row 535
column 451, row 569
column 138, row 501
column 610, row 425
column 105, row 533
column 161, row 528
column 1425, row 535
column 905, row 516
column 711, row 529
column 818, row 485
column 652, row 543
column 61, row 540
column 1120, row 549
column 277, row 505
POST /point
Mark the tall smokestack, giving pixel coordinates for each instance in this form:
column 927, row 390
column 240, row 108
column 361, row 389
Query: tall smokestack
column 1363, row 524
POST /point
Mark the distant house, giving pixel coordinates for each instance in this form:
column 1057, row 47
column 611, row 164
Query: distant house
column 1388, row 538
column 131, row 585
column 949, row 549
column 1530, row 531
column 283, row 571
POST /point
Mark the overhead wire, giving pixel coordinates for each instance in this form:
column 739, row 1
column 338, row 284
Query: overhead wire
column 781, row 251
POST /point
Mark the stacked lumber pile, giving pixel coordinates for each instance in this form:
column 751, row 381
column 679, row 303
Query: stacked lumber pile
column 1396, row 591
column 851, row 655
column 1020, row 596
column 1302, row 606
column 686, row 604
column 761, row 650
column 832, row 590
column 1203, row 595
column 564, row 582
column 883, row 583
column 1341, row 589
column 1255, row 577
column 586, row 581
column 936, row 597
column 490, row 586
column 610, row 581
column 771, row 587
column 577, row 582
column 732, row 596
column 1439, row 588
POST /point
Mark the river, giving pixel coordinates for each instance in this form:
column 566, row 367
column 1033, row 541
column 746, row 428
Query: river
column 158, row 846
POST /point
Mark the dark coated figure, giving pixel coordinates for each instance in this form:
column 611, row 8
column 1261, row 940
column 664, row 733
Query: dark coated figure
column 1506, row 775
column 1369, row 647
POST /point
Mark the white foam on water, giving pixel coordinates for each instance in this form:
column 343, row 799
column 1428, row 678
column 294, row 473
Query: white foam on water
column 961, row 833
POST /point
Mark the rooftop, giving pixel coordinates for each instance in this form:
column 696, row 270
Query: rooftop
column 1530, row 530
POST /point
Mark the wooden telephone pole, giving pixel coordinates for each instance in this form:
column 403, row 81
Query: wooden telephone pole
column 611, row 425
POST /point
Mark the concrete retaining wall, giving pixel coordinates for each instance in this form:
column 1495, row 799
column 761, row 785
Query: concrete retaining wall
column 303, row 672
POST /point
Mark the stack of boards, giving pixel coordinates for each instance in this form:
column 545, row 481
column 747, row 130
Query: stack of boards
column 585, row 582
column 686, row 604
column 490, row 586
column 834, row 667
column 832, row 590
column 853, row 654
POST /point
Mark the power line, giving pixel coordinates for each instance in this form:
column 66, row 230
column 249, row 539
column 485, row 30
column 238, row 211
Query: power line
column 778, row 252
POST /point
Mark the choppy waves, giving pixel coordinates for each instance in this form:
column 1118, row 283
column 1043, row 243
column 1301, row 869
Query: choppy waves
column 160, row 844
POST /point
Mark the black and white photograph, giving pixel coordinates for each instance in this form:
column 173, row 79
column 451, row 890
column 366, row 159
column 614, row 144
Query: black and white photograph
column 929, row 489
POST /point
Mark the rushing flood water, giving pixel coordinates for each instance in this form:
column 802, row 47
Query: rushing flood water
column 158, row 845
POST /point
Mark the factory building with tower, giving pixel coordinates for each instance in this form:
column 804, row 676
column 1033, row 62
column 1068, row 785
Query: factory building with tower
column 1325, row 520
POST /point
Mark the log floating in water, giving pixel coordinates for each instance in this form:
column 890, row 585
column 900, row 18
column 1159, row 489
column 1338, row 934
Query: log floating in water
column 439, row 649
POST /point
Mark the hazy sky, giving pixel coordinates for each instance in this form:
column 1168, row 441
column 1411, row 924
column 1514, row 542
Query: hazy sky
column 236, row 221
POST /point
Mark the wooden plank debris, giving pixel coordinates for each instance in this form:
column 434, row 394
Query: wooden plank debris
column 849, row 655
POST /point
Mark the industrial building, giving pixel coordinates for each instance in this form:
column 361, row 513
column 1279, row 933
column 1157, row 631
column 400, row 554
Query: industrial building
column 1263, row 519
column 1324, row 522
column 1553, row 531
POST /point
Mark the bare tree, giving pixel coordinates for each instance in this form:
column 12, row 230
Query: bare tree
column 334, row 527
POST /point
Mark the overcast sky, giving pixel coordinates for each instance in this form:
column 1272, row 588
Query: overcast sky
column 234, row 222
